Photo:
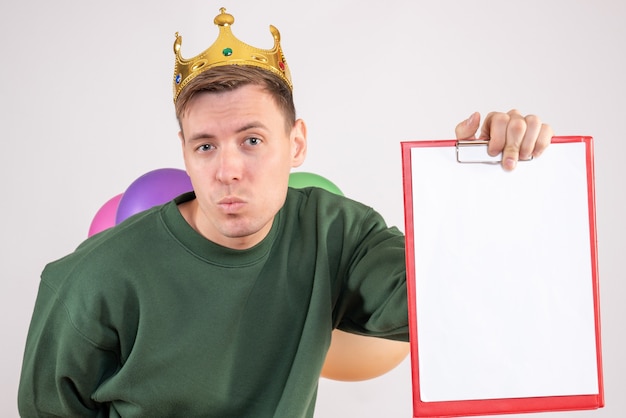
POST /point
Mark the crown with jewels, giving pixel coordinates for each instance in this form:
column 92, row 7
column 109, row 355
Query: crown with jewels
column 228, row 50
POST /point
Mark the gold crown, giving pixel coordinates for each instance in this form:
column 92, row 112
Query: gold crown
column 228, row 50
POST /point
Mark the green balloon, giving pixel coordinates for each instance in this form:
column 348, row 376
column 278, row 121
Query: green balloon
column 301, row 179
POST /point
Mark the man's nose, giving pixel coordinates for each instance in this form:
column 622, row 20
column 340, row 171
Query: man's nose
column 230, row 164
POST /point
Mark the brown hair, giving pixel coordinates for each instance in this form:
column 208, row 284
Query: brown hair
column 231, row 77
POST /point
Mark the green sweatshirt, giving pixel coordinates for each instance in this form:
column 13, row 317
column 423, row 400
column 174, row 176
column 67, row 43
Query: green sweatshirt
column 150, row 319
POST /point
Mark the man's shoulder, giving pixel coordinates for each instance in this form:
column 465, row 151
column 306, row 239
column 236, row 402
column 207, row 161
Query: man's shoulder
column 319, row 207
column 317, row 196
column 107, row 250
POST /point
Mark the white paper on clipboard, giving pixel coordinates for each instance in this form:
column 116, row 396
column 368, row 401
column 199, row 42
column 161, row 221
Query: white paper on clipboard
column 504, row 298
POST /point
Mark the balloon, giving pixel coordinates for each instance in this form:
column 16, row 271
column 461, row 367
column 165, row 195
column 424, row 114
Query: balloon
column 354, row 357
column 302, row 179
column 153, row 188
column 105, row 217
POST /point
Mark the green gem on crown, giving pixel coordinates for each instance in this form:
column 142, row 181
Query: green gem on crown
column 227, row 52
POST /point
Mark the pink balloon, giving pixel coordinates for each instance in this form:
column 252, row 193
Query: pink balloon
column 105, row 217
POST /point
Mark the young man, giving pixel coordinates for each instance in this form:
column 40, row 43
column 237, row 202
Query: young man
column 222, row 302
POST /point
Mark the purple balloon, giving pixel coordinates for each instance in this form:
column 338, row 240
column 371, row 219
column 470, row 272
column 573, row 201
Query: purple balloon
column 153, row 188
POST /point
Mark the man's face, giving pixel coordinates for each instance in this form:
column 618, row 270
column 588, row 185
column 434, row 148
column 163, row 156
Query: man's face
column 239, row 156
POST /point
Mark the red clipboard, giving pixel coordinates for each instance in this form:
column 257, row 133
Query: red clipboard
column 502, row 280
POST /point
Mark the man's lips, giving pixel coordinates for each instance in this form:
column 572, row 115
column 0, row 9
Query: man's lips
column 231, row 204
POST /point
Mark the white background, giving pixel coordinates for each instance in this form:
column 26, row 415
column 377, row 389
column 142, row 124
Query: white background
column 86, row 108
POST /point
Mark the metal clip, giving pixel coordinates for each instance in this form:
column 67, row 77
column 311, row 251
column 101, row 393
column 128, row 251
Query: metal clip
column 475, row 152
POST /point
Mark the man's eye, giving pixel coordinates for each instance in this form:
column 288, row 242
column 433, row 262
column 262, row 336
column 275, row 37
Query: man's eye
column 253, row 141
column 205, row 147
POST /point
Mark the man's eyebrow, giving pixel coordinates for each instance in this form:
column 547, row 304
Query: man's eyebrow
column 201, row 135
column 251, row 125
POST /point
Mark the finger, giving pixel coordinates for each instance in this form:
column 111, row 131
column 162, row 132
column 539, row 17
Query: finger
column 543, row 140
column 467, row 129
column 515, row 131
column 529, row 142
column 494, row 129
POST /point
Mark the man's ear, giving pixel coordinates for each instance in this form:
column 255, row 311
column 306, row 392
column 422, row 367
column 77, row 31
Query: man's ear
column 298, row 143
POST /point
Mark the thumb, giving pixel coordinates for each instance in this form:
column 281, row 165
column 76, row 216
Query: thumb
column 468, row 128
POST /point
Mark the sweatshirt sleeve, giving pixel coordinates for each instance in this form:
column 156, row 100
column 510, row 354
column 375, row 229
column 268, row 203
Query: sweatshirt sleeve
column 61, row 368
column 374, row 299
